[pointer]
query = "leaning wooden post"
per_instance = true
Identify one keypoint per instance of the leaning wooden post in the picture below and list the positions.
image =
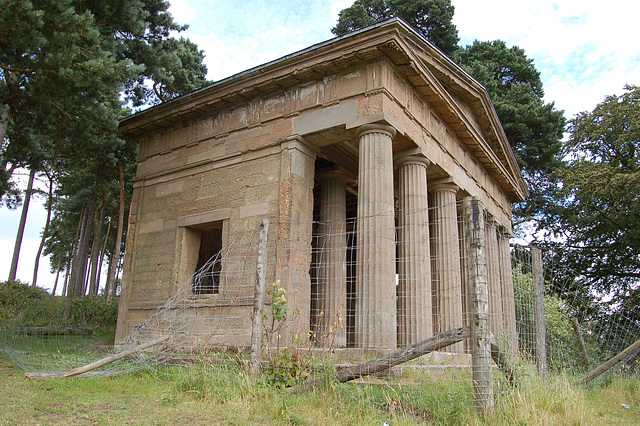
(538, 312)
(583, 346)
(482, 372)
(258, 303)
(621, 357)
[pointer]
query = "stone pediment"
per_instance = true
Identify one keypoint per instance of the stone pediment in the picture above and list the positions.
(459, 101)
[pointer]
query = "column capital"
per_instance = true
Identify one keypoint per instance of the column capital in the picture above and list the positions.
(380, 118)
(334, 172)
(376, 128)
(445, 184)
(299, 143)
(411, 156)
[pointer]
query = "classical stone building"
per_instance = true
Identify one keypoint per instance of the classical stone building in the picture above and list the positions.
(360, 148)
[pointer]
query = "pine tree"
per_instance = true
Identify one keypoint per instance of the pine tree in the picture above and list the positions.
(431, 18)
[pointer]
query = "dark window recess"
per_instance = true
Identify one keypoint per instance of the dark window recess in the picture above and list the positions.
(207, 281)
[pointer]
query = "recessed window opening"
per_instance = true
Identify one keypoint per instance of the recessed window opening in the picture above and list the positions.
(209, 266)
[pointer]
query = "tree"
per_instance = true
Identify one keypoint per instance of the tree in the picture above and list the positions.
(431, 18)
(600, 198)
(139, 32)
(57, 82)
(65, 67)
(534, 128)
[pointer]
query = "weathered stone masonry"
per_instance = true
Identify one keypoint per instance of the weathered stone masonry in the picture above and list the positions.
(380, 117)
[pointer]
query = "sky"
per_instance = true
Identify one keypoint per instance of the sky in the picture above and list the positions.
(584, 49)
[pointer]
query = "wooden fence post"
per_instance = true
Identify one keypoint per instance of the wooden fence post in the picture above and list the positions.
(621, 357)
(538, 312)
(583, 347)
(258, 303)
(475, 244)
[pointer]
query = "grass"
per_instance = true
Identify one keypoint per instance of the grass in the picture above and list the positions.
(225, 395)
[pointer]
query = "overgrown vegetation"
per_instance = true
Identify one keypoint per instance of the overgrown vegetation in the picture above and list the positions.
(563, 351)
(22, 305)
(225, 395)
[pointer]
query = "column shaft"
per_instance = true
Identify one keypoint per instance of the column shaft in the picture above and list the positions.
(415, 321)
(508, 301)
(446, 261)
(495, 287)
(375, 322)
(332, 264)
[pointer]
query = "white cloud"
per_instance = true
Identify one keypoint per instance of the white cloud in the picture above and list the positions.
(584, 49)
(182, 11)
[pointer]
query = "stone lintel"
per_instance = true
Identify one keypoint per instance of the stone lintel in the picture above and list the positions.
(335, 171)
(203, 218)
(326, 118)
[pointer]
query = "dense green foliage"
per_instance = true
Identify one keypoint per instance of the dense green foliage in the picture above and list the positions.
(58, 86)
(601, 194)
(599, 206)
(431, 18)
(15, 297)
(563, 349)
(27, 306)
(533, 128)
(69, 70)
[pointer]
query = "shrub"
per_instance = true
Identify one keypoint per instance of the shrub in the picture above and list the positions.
(15, 297)
(22, 305)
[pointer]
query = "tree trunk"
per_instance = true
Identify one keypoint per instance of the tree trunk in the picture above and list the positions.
(74, 264)
(4, 122)
(116, 250)
(44, 233)
(79, 261)
(66, 278)
(55, 283)
(83, 254)
(23, 221)
(102, 253)
(98, 220)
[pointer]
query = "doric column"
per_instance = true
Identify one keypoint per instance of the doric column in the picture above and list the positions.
(375, 322)
(446, 260)
(415, 322)
(332, 261)
(494, 279)
(508, 296)
(464, 274)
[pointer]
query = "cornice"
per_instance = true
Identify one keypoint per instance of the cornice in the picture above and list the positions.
(432, 73)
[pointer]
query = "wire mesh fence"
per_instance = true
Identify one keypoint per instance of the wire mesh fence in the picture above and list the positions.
(356, 298)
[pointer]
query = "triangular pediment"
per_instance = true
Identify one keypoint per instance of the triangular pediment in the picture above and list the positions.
(461, 102)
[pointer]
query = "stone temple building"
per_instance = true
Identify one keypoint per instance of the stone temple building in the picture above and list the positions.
(358, 150)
